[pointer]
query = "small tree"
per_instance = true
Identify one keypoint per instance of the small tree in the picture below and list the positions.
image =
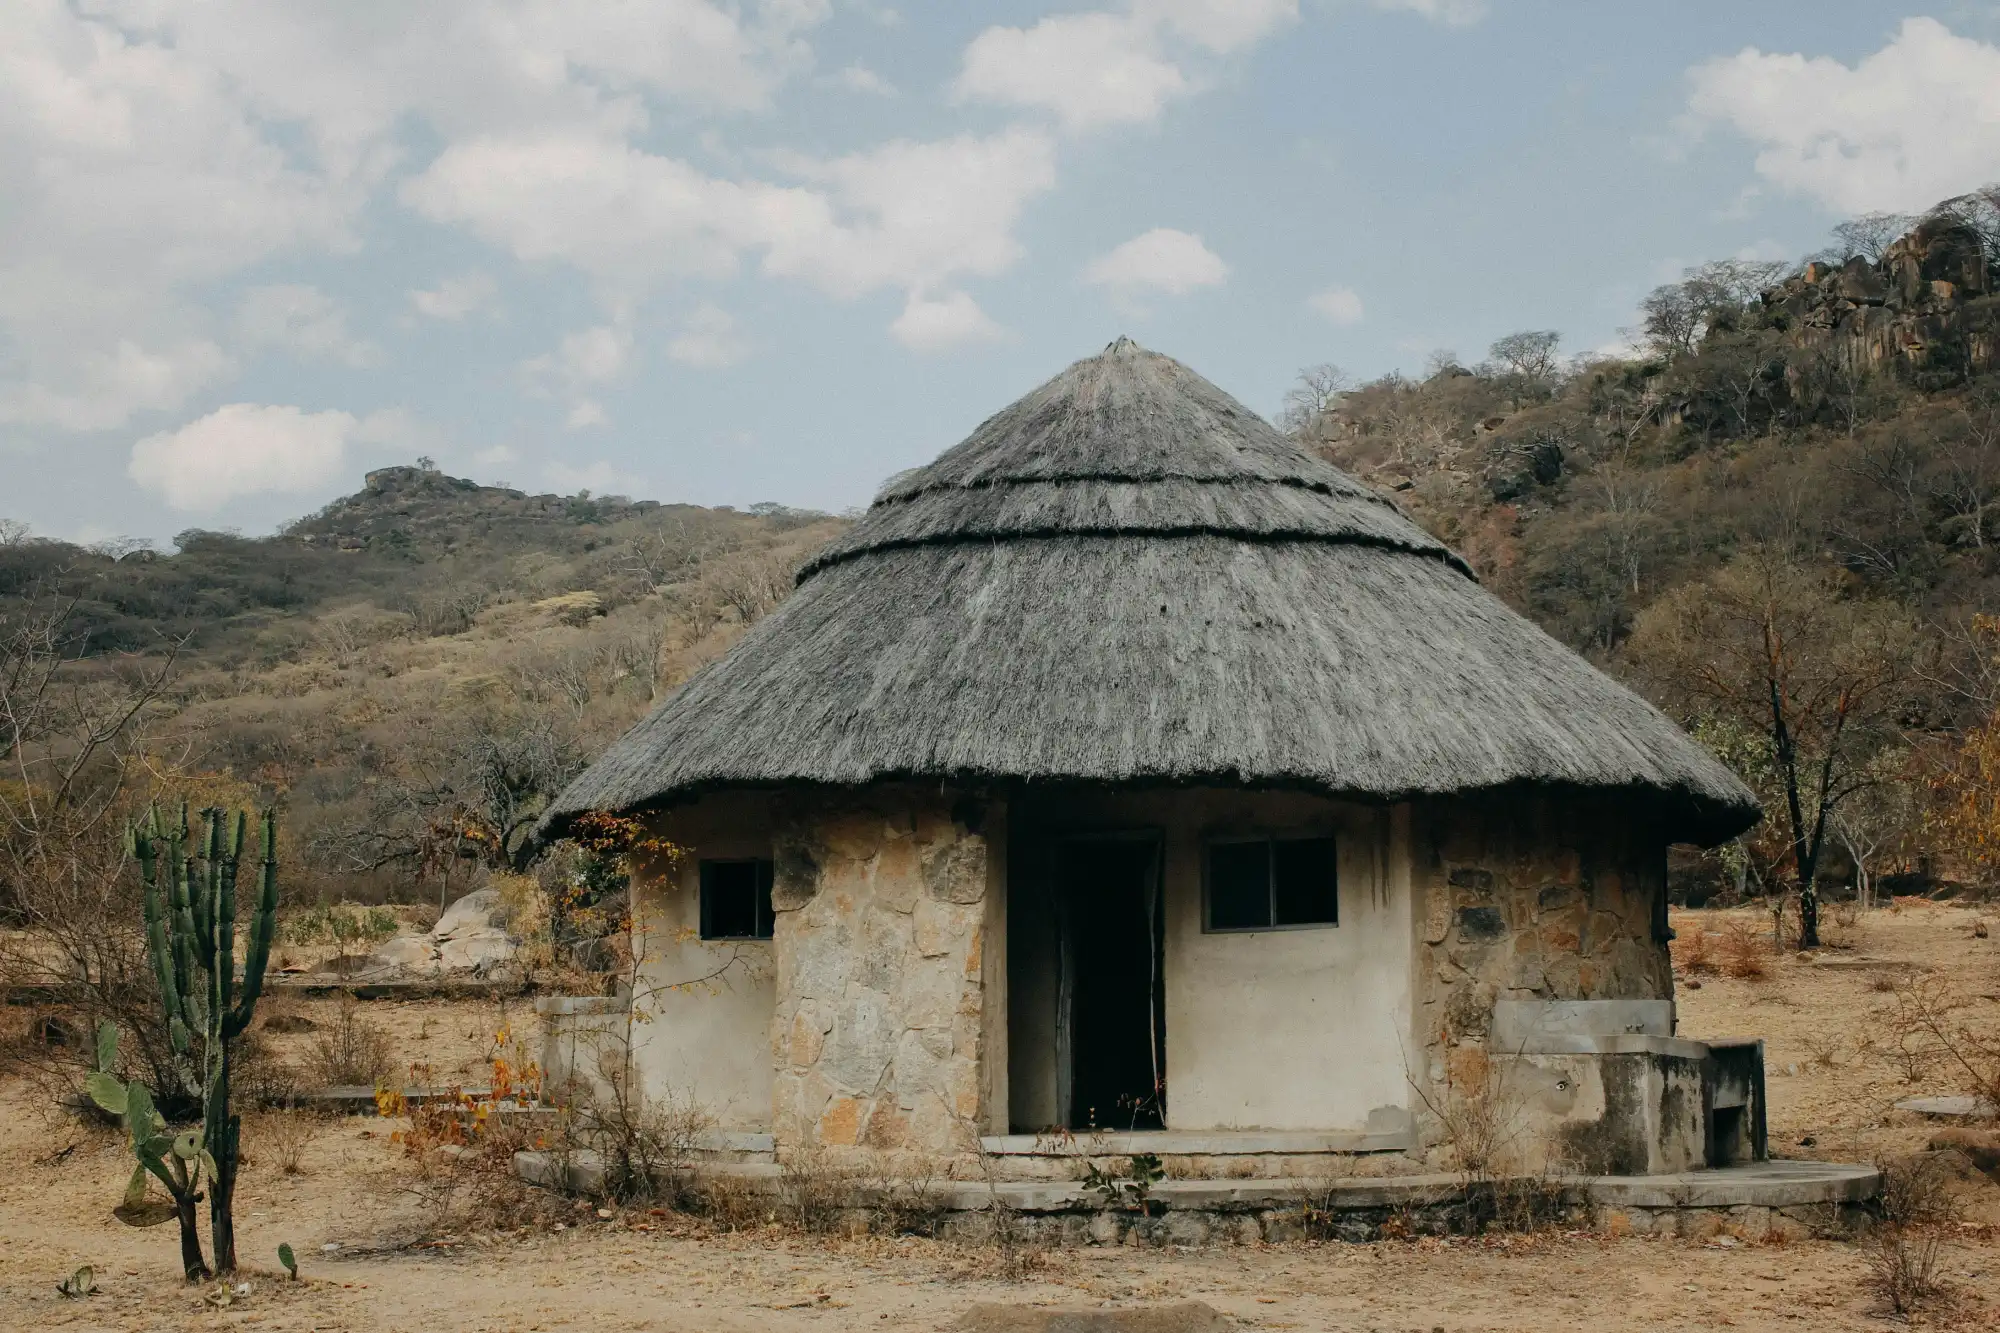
(1307, 401)
(1531, 354)
(1781, 650)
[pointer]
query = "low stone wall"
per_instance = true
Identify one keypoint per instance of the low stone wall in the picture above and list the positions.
(579, 1035)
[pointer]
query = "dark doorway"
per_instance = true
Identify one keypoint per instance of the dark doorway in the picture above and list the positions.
(1112, 1013)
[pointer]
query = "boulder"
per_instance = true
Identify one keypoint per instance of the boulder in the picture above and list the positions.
(404, 953)
(478, 951)
(478, 910)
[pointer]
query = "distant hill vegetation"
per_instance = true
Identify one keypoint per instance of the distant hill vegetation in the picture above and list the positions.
(410, 671)
(1787, 489)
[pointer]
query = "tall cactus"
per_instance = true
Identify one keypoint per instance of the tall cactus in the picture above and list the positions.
(190, 915)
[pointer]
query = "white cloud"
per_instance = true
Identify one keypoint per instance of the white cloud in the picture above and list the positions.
(937, 324)
(585, 413)
(1450, 13)
(1108, 67)
(99, 388)
(252, 449)
(589, 356)
(905, 215)
(456, 297)
(1916, 122)
(1162, 260)
(861, 79)
(599, 476)
(153, 149)
(1088, 69)
(303, 320)
(710, 338)
(1342, 305)
(499, 453)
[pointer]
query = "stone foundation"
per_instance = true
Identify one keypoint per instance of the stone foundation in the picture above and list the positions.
(1533, 898)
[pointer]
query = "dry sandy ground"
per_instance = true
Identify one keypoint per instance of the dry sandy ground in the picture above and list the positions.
(610, 1275)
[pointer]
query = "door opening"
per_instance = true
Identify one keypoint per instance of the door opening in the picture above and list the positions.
(1111, 1026)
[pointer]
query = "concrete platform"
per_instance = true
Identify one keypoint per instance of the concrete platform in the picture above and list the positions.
(1798, 1198)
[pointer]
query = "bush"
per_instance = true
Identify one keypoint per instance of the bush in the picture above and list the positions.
(351, 1050)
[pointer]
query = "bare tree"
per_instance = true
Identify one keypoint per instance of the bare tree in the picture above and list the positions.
(1318, 388)
(79, 747)
(1777, 649)
(1530, 353)
(1868, 236)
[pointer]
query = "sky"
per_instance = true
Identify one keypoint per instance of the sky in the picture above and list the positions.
(777, 250)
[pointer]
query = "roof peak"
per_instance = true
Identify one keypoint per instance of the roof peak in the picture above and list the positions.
(1128, 441)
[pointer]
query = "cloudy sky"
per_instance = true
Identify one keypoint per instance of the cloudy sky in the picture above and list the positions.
(778, 249)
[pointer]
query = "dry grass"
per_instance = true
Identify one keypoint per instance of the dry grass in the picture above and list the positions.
(1906, 1247)
(350, 1050)
(1744, 952)
(282, 1138)
(1693, 950)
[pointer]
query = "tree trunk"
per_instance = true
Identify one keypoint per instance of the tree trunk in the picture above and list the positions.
(193, 1266)
(1808, 915)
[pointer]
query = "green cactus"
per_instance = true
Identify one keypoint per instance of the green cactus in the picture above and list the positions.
(176, 1161)
(190, 919)
(289, 1260)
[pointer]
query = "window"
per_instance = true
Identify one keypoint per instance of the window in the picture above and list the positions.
(1266, 883)
(736, 900)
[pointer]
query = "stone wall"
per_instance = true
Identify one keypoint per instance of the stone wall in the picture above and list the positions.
(882, 909)
(1519, 898)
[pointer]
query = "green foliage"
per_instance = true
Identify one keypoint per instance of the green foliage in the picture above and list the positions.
(81, 1283)
(289, 1260)
(191, 937)
(1131, 1188)
(342, 924)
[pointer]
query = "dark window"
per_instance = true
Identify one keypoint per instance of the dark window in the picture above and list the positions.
(736, 900)
(1266, 882)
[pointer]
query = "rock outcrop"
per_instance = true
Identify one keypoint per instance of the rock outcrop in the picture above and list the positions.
(1926, 307)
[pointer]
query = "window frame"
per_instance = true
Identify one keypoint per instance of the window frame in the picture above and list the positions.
(761, 912)
(1271, 880)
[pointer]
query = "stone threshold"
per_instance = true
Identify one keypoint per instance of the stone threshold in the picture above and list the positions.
(1776, 1184)
(1199, 1143)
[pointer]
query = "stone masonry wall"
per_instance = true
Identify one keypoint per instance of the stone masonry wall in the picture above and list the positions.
(1530, 897)
(880, 904)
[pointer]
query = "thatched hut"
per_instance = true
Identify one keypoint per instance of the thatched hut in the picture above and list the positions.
(1131, 768)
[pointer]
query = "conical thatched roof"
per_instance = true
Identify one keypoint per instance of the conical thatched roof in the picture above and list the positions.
(1129, 577)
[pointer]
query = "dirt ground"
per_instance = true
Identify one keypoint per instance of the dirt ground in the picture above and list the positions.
(1834, 1077)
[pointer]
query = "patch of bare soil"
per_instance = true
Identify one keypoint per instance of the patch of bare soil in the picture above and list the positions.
(554, 1265)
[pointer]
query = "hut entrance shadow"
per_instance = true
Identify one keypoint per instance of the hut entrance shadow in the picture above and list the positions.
(1111, 1005)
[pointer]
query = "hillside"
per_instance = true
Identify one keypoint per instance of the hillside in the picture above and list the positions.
(1789, 492)
(413, 669)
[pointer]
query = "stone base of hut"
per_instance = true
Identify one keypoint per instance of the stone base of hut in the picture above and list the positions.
(1763, 1201)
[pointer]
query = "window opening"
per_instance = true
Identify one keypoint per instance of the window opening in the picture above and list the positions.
(736, 900)
(1272, 883)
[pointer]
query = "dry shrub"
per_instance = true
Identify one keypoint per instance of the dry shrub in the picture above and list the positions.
(904, 1187)
(1927, 1030)
(1478, 1115)
(286, 1135)
(1745, 953)
(350, 1050)
(813, 1189)
(1693, 951)
(1906, 1245)
(1837, 927)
